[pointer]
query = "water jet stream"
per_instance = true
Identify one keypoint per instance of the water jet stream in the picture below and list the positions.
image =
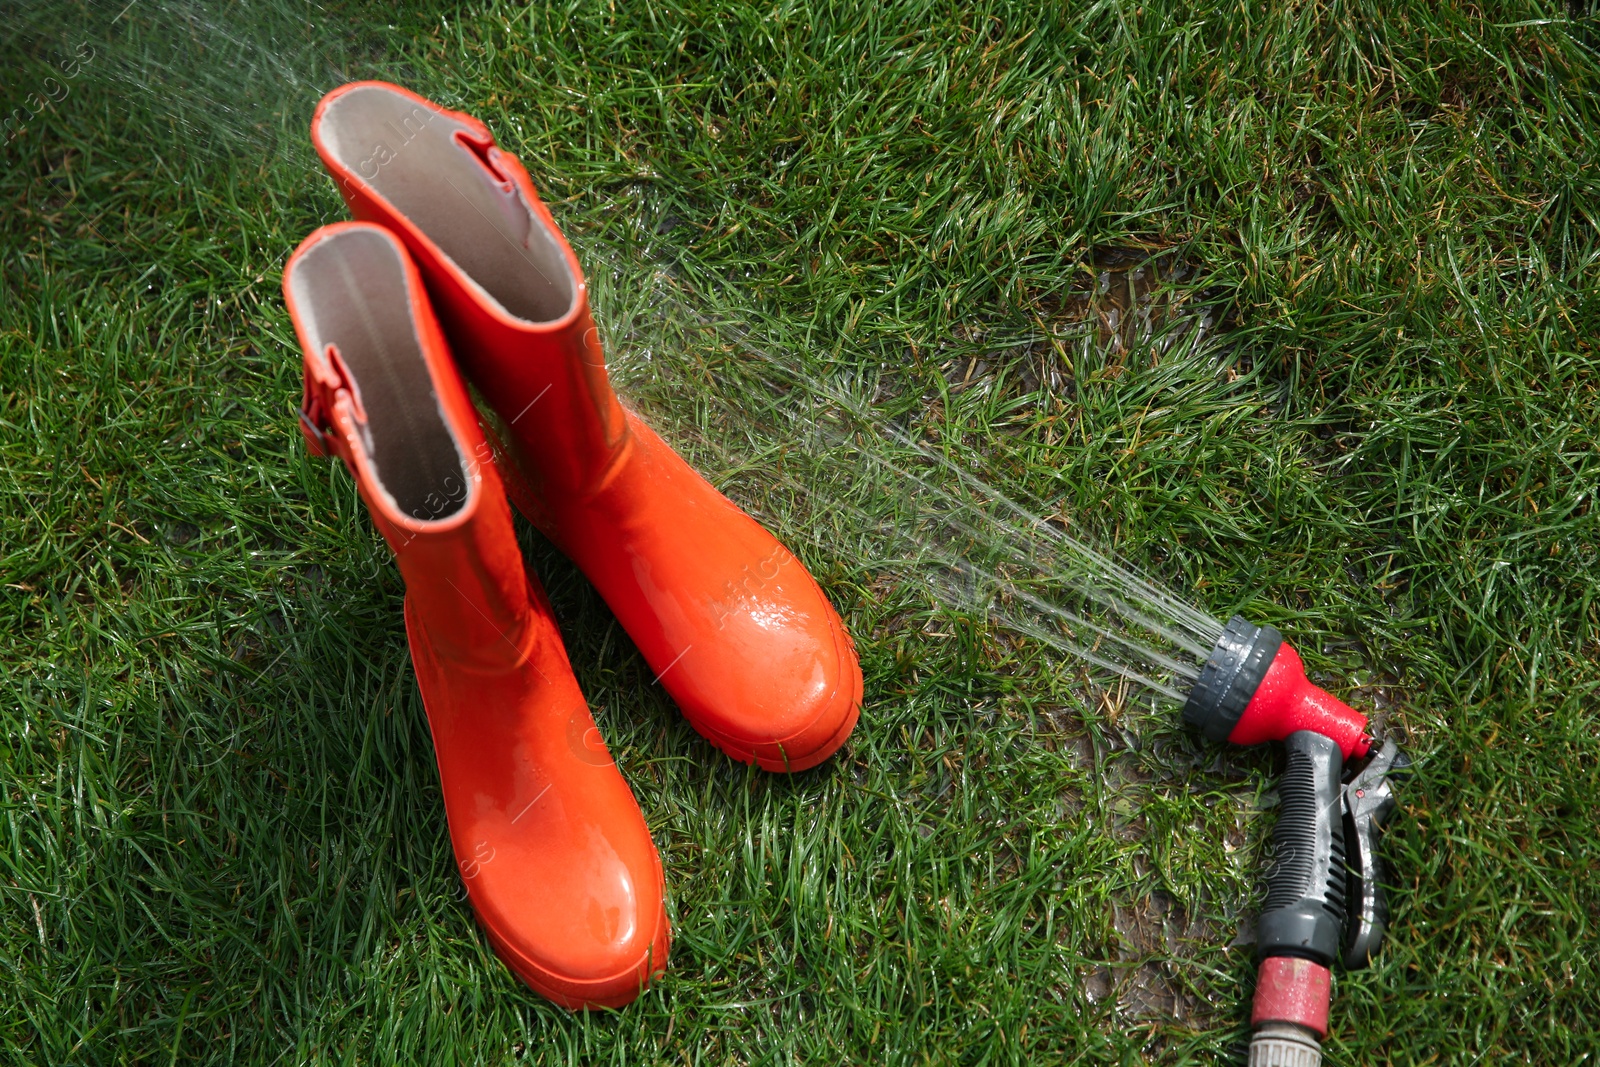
(932, 522)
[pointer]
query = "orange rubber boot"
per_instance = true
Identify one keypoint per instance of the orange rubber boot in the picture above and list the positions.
(730, 621)
(553, 849)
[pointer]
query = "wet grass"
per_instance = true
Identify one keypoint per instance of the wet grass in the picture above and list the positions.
(222, 833)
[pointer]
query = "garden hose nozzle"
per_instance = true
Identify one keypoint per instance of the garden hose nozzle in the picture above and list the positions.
(1324, 895)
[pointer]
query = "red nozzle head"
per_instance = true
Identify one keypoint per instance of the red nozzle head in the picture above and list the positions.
(1286, 701)
(1253, 688)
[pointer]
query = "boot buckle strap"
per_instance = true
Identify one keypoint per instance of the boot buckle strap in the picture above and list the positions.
(316, 440)
(314, 422)
(324, 380)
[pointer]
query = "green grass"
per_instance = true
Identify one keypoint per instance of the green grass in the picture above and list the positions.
(222, 832)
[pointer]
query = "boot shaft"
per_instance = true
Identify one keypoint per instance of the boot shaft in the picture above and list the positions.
(501, 275)
(381, 393)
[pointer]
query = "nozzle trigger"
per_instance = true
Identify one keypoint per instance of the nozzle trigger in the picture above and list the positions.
(1368, 803)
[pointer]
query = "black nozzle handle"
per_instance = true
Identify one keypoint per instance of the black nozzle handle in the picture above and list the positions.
(1305, 909)
(1368, 802)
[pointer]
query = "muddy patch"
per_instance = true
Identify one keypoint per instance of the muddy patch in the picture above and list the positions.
(1122, 305)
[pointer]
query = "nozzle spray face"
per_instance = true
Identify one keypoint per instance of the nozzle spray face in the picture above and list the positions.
(1230, 678)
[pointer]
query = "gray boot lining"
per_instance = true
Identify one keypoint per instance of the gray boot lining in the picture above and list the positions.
(409, 154)
(350, 291)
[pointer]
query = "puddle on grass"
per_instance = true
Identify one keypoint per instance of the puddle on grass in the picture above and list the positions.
(1153, 966)
(1136, 300)
(1158, 926)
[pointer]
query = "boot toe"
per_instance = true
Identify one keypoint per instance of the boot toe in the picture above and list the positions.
(590, 934)
(787, 698)
(824, 720)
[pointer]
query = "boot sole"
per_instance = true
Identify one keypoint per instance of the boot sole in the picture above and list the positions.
(788, 763)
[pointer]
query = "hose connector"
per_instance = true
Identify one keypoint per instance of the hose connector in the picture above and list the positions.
(1284, 1045)
(1290, 1014)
